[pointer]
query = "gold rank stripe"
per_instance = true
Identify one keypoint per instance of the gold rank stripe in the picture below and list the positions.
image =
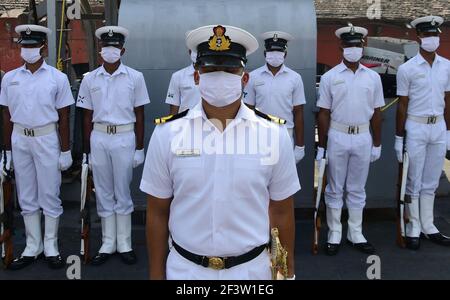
(163, 120)
(170, 118)
(270, 117)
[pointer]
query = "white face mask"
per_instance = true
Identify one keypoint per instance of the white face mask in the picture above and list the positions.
(353, 54)
(194, 56)
(31, 55)
(430, 44)
(275, 58)
(111, 54)
(220, 88)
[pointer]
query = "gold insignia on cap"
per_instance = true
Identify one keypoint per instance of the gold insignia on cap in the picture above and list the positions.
(110, 33)
(275, 37)
(28, 31)
(433, 22)
(219, 41)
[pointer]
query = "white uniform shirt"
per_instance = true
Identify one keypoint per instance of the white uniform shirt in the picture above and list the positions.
(113, 97)
(276, 95)
(33, 99)
(351, 97)
(424, 85)
(183, 91)
(220, 201)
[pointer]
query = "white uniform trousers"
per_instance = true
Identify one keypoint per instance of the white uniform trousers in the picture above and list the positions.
(348, 167)
(38, 178)
(179, 268)
(112, 168)
(426, 147)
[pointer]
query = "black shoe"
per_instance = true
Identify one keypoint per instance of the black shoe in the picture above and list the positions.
(21, 262)
(332, 249)
(128, 258)
(55, 262)
(412, 243)
(366, 247)
(100, 259)
(437, 238)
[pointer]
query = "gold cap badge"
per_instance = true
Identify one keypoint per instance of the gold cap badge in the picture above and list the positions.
(219, 41)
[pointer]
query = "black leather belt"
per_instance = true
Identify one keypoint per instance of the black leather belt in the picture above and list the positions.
(219, 263)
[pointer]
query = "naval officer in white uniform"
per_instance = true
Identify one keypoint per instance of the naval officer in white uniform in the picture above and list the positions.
(423, 85)
(37, 97)
(351, 96)
(215, 173)
(113, 97)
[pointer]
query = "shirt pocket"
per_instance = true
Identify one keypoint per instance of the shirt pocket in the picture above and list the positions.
(419, 81)
(188, 174)
(126, 96)
(367, 93)
(338, 89)
(250, 178)
(47, 95)
(444, 82)
(15, 93)
(260, 88)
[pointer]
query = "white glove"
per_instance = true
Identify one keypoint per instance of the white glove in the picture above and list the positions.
(320, 153)
(65, 160)
(7, 166)
(87, 159)
(376, 153)
(139, 157)
(448, 140)
(299, 153)
(399, 148)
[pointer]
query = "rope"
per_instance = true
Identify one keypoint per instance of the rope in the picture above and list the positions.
(59, 63)
(390, 104)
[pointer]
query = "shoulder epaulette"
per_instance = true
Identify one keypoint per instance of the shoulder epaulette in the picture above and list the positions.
(170, 118)
(270, 117)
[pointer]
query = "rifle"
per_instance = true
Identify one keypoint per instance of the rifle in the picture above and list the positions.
(85, 210)
(321, 182)
(278, 257)
(402, 199)
(6, 213)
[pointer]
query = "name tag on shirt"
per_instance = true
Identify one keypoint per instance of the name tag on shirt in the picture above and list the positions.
(339, 81)
(186, 87)
(93, 90)
(12, 83)
(259, 83)
(187, 152)
(420, 75)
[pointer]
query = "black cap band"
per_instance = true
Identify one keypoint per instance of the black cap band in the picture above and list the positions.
(354, 38)
(428, 27)
(275, 45)
(234, 57)
(32, 37)
(113, 39)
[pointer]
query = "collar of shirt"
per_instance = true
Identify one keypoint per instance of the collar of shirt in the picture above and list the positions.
(44, 66)
(120, 70)
(281, 71)
(243, 113)
(342, 67)
(420, 60)
(190, 70)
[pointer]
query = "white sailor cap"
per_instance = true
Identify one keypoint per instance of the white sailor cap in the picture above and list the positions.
(221, 45)
(31, 34)
(276, 40)
(428, 24)
(352, 34)
(112, 35)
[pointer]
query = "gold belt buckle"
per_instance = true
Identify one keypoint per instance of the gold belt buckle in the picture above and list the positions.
(216, 263)
(432, 120)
